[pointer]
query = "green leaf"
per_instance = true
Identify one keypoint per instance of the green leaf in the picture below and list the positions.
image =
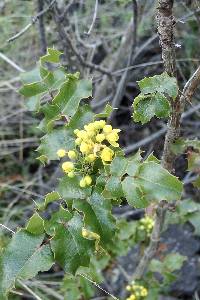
(151, 182)
(70, 189)
(173, 262)
(41, 261)
(33, 89)
(60, 217)
(106, 112)
(118, 166)
(97, 216)
(35, 224)
(162, 83)
(18, 254)
(51, 197)
(158, 183)
(134, 193)
(84, 115)
(57, 139)
(52, 56)
(71, 250)
(195, 221)
(114, 186)
(146, 106)
(67, 100)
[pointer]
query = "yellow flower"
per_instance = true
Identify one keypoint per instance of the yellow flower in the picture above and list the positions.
(76, 131)
(107, 154)
(90, 158)
(144, 292)
(82, 183)
(91, 133)
(100, 137)
(88, 180)
(71, 174)
(61, 153)
(68, 166)
(84, 232)
(99, 124)
(112, 138)
(132, 297)
(107, 129)
(128, 288)
(78, 141)
(82, 134)
(84, 147)
(72, 154)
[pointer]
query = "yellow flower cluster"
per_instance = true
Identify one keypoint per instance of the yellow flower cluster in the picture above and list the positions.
(91, 143)
(146, 224)
(138, 292)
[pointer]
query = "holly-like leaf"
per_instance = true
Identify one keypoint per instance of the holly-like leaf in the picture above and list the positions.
(52, 56)
(22, 253)
(134, 193)
(118, 166)
(51, 142)
(51, 197)
(173, 262)
(84, 115)
(60, 217)
(97, 216)
(70, 249)
(158, 183)
(151, 182)
(162, 83)
(41, 261)
(70, 189)
(195, 221)
(67, 100)
(106, 112)
(114, 186)
(150, 105)
(35, 224)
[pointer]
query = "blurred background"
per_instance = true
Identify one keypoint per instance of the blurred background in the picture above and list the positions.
(115, 43)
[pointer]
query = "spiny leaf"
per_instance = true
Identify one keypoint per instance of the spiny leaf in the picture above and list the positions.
(158, 183)
(52, 56)
(106, 112)
(41, 261)
(67, 100)
(118, 166)
(114, 186)
(151, 182)
(51, 197)
(19, 253)
(35, 224)
(70, 189)
(60, 217)
(146, 106)
(53, 141)
(134, 193)
(162, 83)
(70, 249)
(97, 216)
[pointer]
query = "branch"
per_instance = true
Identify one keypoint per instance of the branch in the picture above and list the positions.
(34, 20)
(165, 23)
(42, 33)
(66, 39)
(124, 78)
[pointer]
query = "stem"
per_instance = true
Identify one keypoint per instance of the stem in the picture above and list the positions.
(165, 23)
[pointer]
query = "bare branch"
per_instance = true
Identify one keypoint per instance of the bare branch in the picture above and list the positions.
(94, 17)
(34, 20)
